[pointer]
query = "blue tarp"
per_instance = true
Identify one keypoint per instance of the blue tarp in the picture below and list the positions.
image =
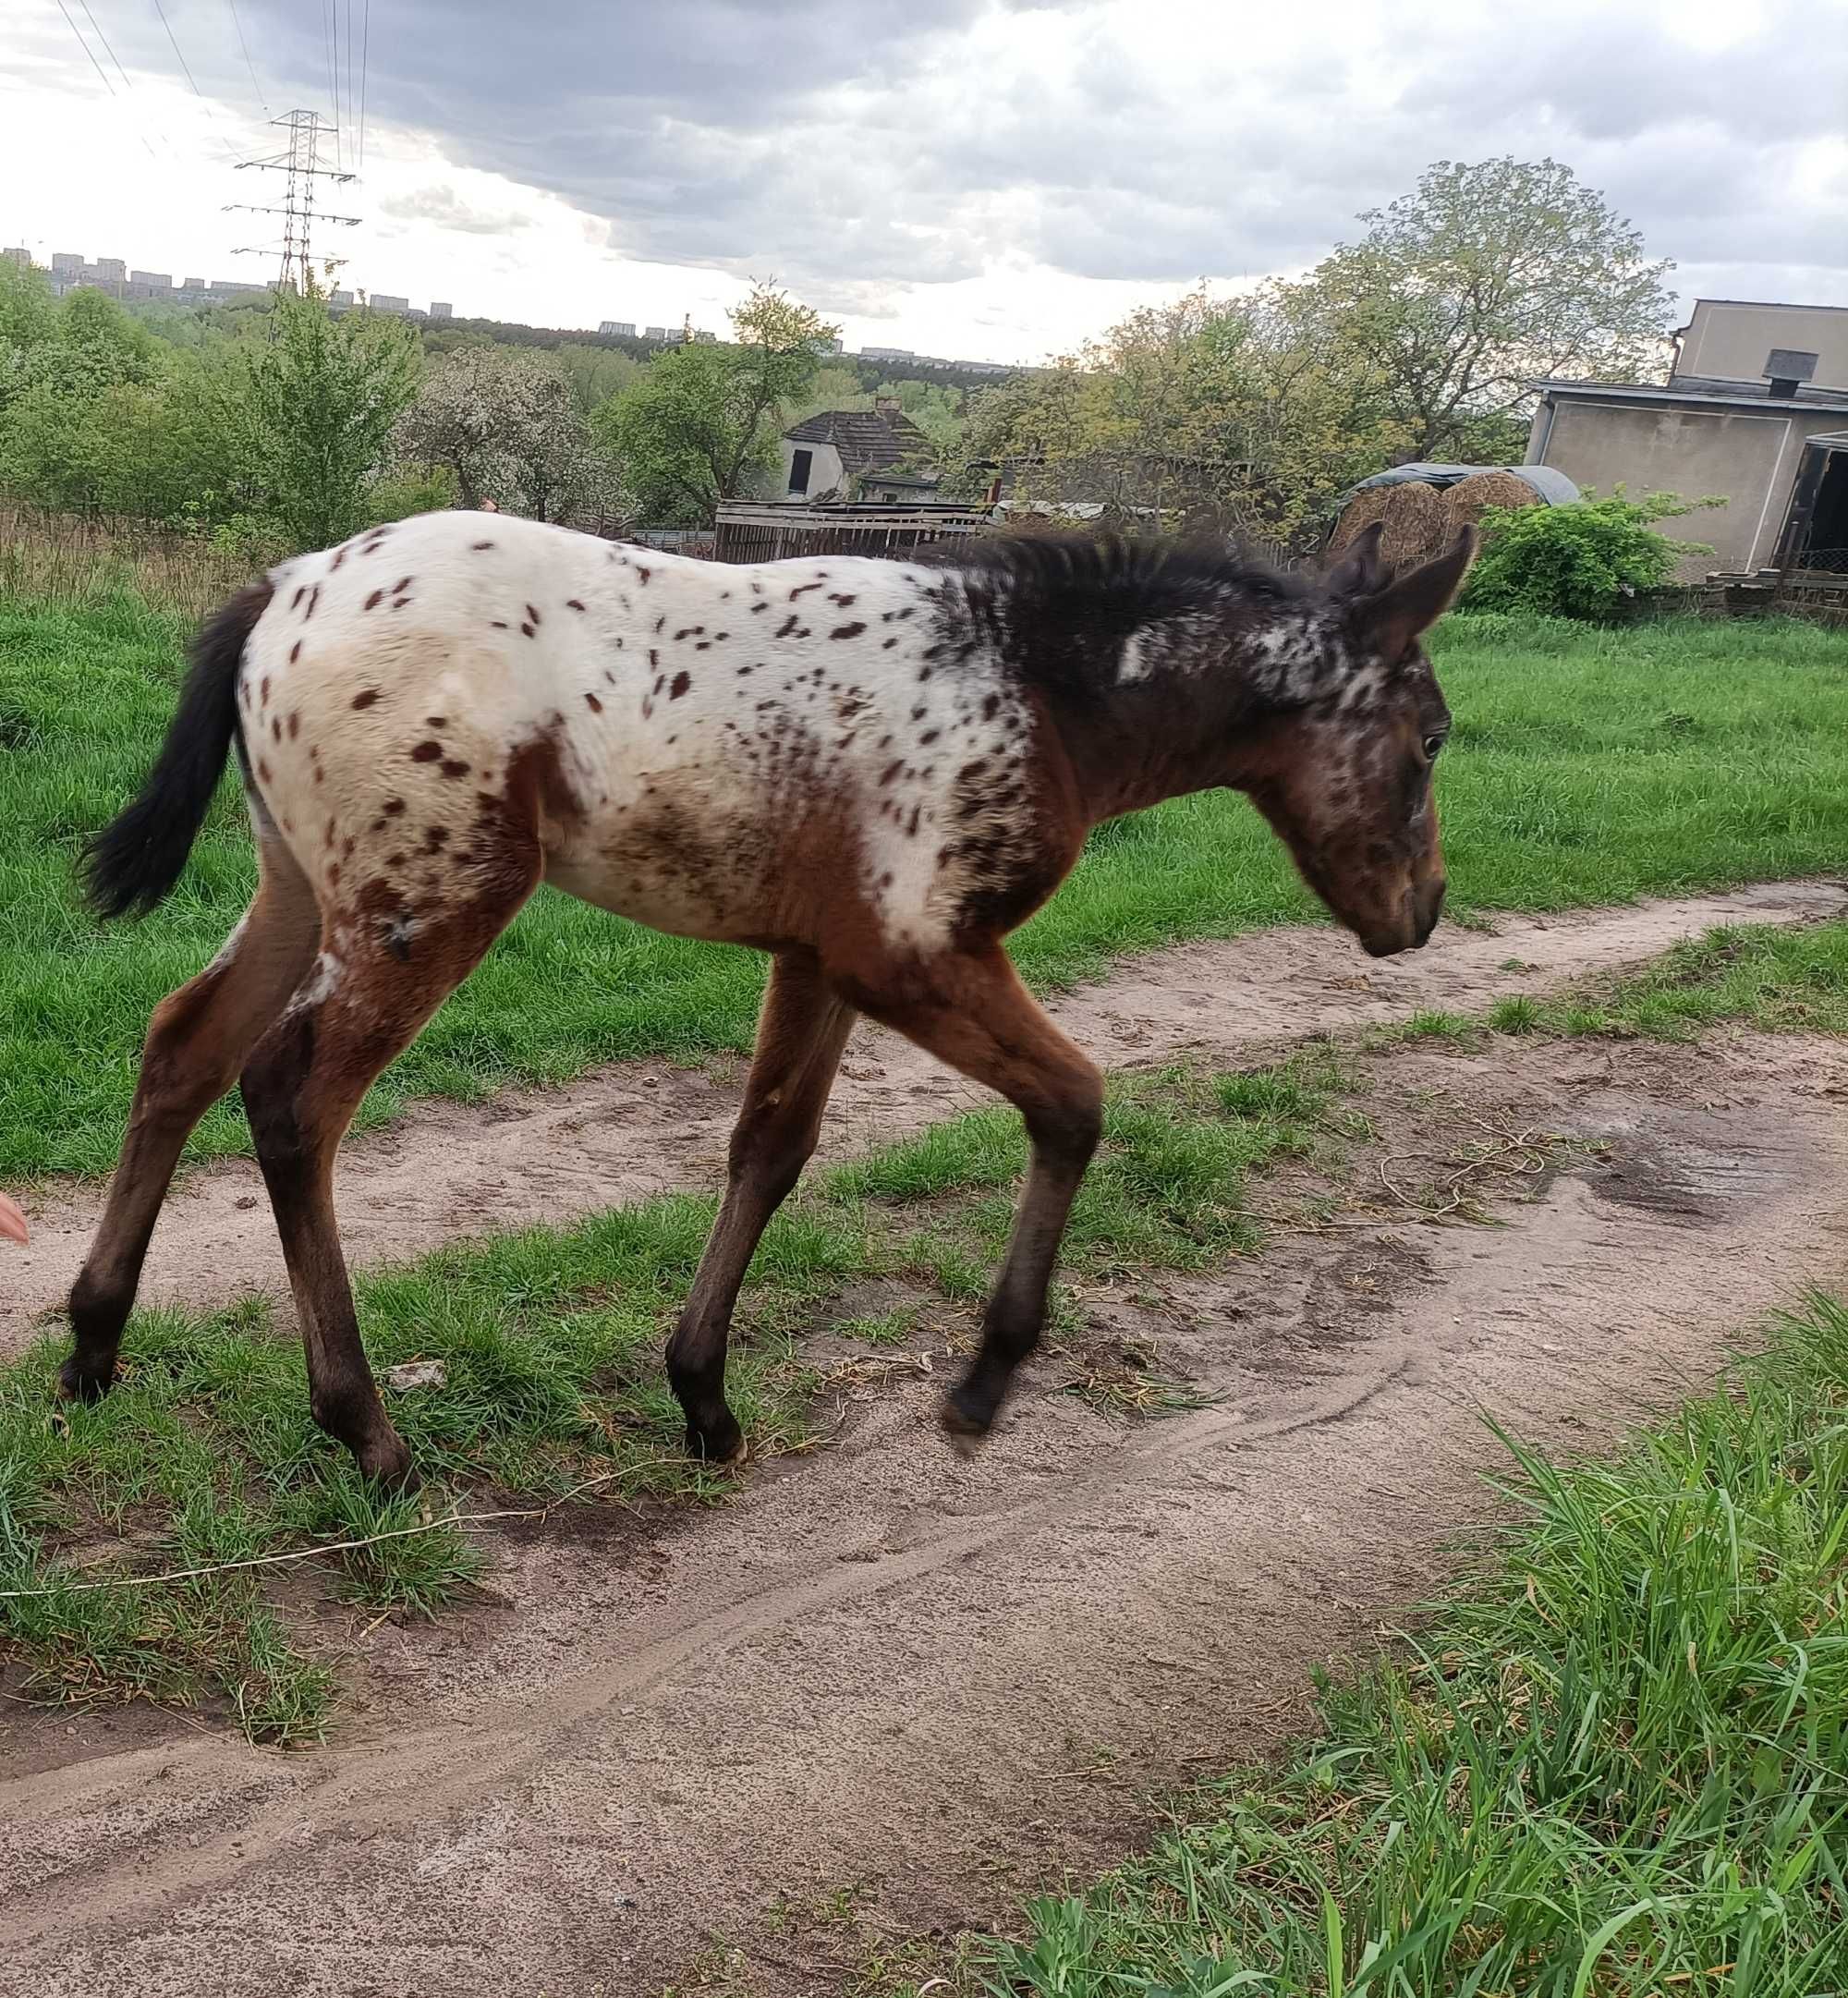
(1552, 487)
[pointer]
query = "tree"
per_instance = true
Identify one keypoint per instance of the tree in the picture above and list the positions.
(1489, 278)
(317, 405)
(702, 421)
(28, 321)
(503, 421)
(1222, 414)
(594, 374)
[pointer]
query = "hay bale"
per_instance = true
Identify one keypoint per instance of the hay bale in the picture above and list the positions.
(1414, 524)
(1360, 512)
(1470, 499)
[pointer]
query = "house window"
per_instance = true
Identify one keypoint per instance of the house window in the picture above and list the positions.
(799, 464)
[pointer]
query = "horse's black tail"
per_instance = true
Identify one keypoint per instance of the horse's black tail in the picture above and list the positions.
(137, 858)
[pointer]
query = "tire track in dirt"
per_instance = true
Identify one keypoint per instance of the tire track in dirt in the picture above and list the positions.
(645, 1127)
(882, 1664)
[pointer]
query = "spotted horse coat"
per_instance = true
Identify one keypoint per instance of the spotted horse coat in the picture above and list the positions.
(872, 770)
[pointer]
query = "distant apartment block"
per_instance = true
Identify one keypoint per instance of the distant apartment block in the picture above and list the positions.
(616, 329)
(654, 333)
(71, 271)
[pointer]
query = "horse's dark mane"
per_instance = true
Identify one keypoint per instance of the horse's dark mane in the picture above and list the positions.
(1117, 580)
(1060, 606)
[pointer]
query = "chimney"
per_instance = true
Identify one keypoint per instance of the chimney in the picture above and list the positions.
(1787, 370)
(888, 404)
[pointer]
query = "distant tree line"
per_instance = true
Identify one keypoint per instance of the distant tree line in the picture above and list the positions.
(276, 424)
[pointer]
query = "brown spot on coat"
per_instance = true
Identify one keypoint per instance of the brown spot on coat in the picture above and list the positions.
(571, 603)
(533, 613)
(848, 631)
(295, 651)
(477, 546)
(526, 630)
(682, 681)
(372, 602)
(595, 706)
(426, 752)
(452, 766)
(366, 699)
(295, 724)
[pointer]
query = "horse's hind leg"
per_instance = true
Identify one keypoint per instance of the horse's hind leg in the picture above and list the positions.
(800, 1035)
(362, 1007)
(196, 1043)
(972, 1011)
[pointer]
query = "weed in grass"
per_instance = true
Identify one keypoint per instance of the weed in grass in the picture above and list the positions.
(896, 1327)
(1563, 790)
(1438, 1026)
(1619, 1764)
(1514, 1015)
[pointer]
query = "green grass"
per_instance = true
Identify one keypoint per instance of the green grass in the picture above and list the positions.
(1774, 978)
(549, 1341)
(1588, 766)
(1614, 1766)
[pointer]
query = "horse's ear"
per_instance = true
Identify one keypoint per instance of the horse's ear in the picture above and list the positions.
(1393, 618)
(1358, 571)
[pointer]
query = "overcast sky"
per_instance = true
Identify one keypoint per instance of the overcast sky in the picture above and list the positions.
(983, 178)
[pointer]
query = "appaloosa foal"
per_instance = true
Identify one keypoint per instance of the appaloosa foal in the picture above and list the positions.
(873, 770)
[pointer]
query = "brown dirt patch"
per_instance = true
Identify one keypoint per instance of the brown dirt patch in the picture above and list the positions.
(645, 1127)
(938, 1683)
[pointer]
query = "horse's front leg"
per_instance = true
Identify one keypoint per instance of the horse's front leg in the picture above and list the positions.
(971, 1010)
(800, 1034)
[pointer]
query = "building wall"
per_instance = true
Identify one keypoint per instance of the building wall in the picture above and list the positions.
(825, 472)
(1750, 458)
(1732, 340)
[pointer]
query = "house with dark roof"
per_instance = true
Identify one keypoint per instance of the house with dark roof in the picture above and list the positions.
(877, 453)
(1755, 412)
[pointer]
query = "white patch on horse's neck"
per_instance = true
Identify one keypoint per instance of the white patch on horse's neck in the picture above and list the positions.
(1135, 663)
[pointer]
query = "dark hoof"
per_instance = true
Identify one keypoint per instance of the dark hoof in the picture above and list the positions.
(721, 1445)
(965, 1422)
(78, 1383)
(389, 1463)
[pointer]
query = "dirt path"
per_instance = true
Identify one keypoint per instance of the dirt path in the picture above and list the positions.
(935, 1682)
(645, 1127)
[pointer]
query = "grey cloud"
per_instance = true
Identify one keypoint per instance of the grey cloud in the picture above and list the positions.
(443, 207)
(850, 146)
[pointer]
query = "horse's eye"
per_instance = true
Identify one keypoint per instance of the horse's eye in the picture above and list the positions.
(1432, 745)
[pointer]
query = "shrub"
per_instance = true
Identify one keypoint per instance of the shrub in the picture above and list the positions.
(1580, 560)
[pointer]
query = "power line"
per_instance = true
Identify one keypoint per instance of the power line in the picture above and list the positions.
(102, 74)
(185, 69)
(327, 7)
(346, 116)
(84, 45)
(103, 38)
(249, 64)
(365, 54)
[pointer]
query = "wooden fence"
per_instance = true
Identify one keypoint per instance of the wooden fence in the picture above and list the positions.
(762, 531)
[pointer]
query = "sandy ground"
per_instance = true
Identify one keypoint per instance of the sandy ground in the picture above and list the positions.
(644, 1127)
(660, 1743)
